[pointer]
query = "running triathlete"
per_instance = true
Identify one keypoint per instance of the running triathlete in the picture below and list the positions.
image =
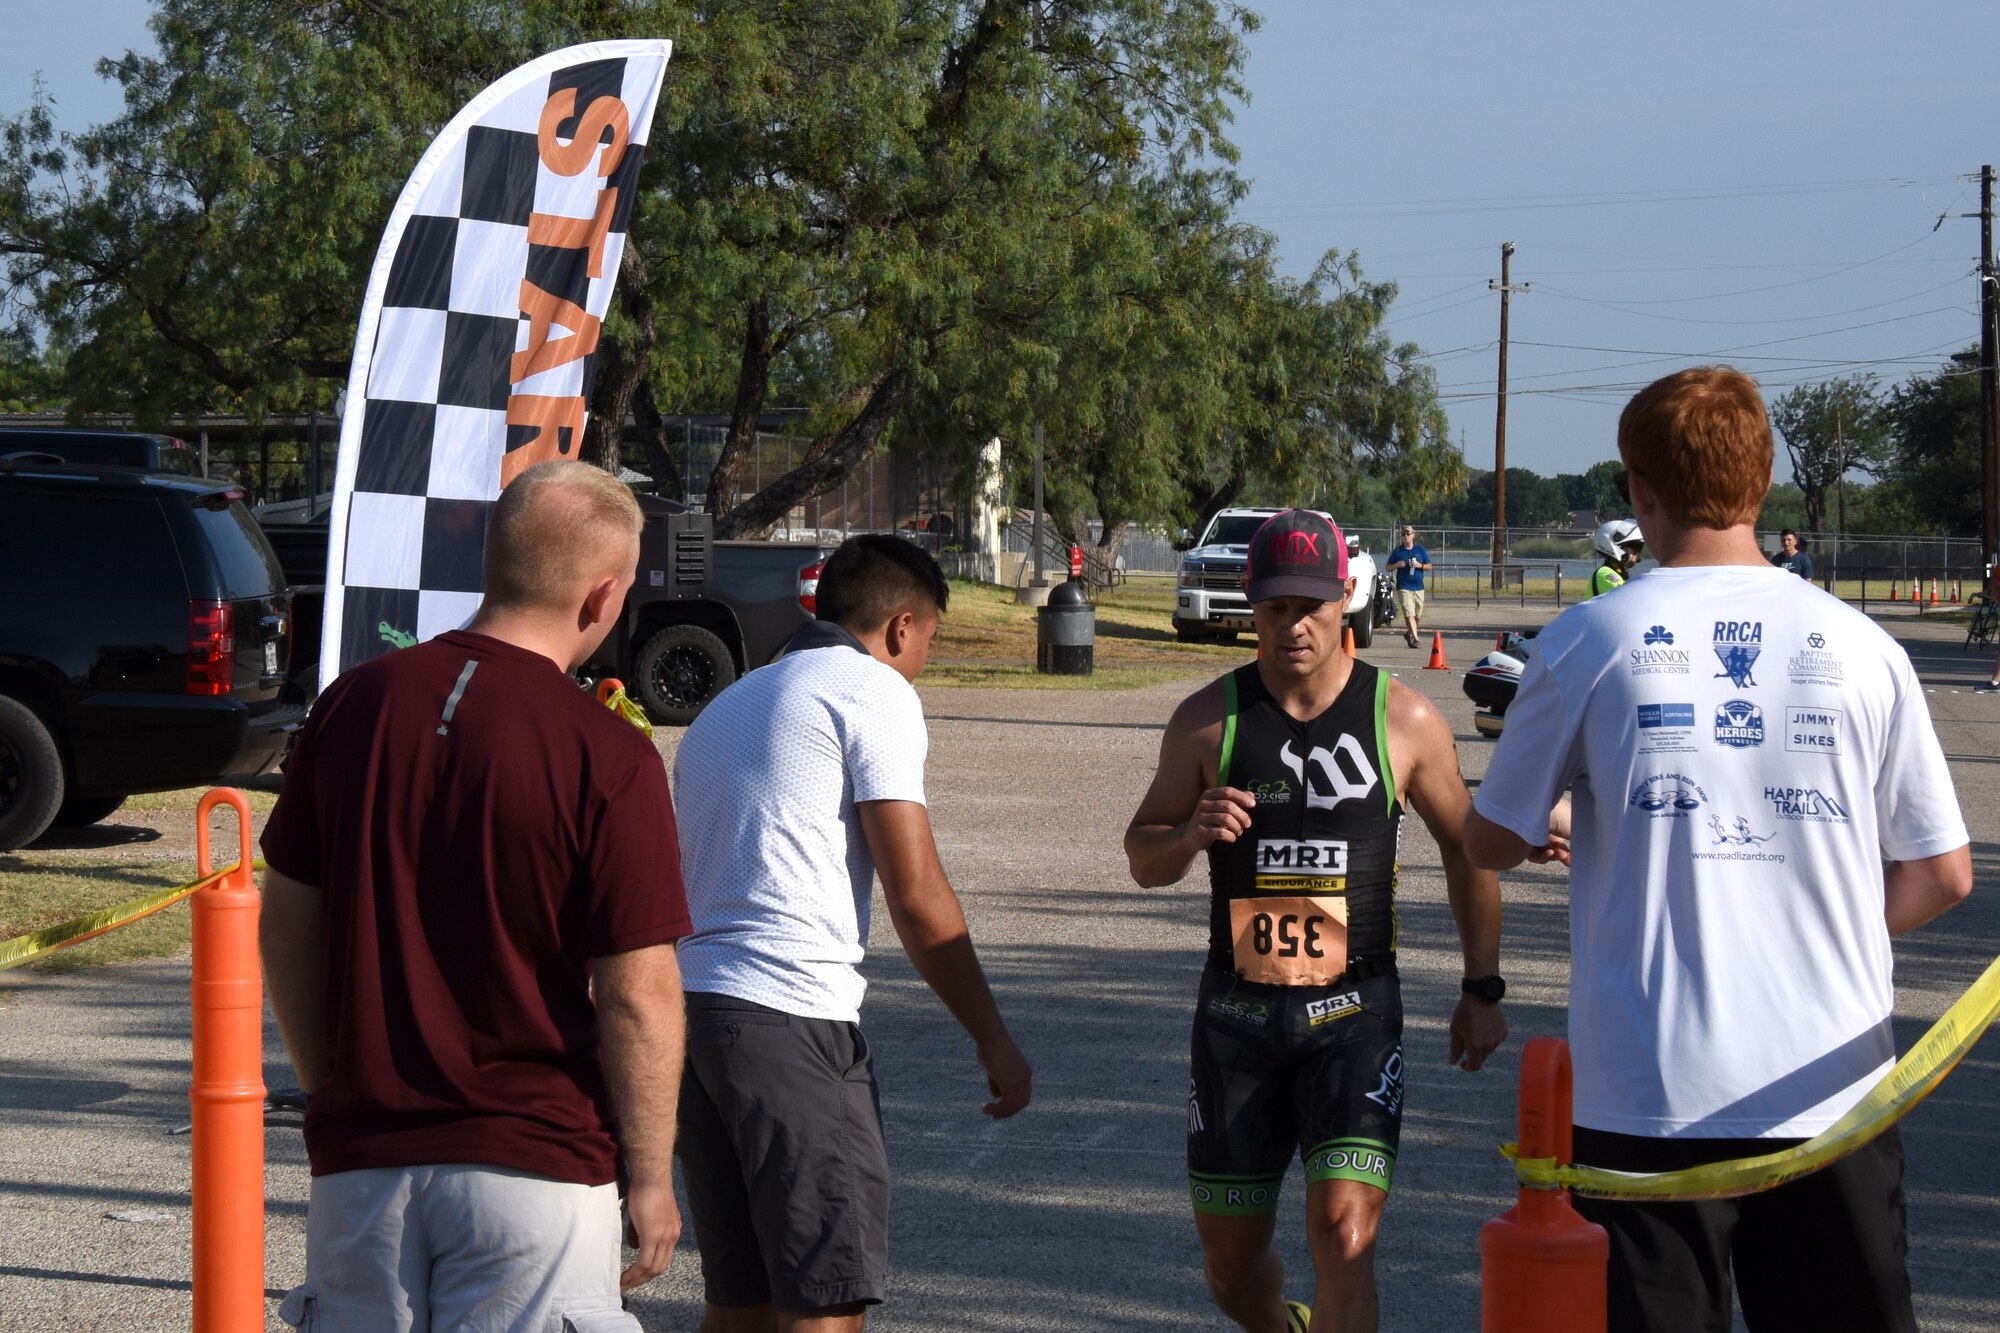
(1620, 544)
(1292, 774)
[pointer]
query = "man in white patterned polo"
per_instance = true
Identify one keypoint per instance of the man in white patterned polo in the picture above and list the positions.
(798, 785)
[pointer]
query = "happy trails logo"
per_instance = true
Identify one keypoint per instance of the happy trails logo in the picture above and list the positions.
(1805, 803)
(1737, 643)
(1668, 796)
(1739, 724)
(1657, 656)
(1814, 665)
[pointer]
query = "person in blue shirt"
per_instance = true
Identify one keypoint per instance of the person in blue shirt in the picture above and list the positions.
(1791, 559)
(1408, 563)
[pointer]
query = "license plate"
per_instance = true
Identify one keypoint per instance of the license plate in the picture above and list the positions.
(270, 659)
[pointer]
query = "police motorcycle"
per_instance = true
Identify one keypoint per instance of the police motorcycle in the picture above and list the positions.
(1494, 678)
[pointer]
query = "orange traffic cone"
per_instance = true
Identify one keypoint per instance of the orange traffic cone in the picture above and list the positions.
(1892, 591)
(1437, 662)
(1347, 640)
(1933, 592)
(1954, 591)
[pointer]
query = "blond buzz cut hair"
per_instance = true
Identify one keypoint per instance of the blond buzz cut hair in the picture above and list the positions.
(558, 528)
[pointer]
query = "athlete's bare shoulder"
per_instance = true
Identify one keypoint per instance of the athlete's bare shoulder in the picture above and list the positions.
(1418, 729)
(1199, 717)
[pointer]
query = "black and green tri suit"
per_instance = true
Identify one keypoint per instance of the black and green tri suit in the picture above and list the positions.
(1298, 1042)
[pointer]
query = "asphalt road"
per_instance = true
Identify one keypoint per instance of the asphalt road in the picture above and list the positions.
(1072, 1215)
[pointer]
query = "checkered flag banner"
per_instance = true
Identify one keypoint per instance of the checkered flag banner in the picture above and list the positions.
(477, 345)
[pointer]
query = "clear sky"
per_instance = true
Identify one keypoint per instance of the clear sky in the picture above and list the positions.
(1754, 182)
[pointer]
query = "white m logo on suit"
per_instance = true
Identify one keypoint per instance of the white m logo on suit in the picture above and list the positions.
(1331, 767)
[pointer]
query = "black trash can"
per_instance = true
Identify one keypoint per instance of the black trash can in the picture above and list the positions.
(1066, 632)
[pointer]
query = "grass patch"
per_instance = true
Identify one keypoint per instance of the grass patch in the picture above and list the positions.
(988, 638)
(146, 846)
(998, 676)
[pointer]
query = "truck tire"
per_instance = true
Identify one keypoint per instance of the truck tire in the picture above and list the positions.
(1363, 622)
(679, 670)
(82, 811)
(31, 775)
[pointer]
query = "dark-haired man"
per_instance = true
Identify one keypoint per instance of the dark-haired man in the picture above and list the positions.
(1292, 774)
(799, 784)
(1790, 557)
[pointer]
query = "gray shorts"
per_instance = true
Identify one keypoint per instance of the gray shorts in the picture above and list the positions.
(782, 1156)
(395, 1249)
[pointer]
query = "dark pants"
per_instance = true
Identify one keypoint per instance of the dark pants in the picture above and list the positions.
(1823, 1253)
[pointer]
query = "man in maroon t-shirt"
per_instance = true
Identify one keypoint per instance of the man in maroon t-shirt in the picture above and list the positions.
(465, 844)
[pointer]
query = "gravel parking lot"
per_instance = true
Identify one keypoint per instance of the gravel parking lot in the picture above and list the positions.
(1073, 1215)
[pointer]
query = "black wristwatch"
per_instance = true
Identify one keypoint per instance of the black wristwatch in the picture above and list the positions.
(1488, 990)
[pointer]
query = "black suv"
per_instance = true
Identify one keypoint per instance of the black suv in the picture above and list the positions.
(145, 635)
(108, 448)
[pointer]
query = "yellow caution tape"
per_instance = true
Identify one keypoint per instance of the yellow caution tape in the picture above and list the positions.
(38, 943)
(626, 707)
(1908, 1083)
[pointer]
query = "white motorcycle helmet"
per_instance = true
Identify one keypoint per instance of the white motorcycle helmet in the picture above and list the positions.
(1619, 532)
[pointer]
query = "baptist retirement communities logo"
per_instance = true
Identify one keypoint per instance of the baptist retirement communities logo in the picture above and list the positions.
(1813, 665)
(1737, 643)
(1657, 656)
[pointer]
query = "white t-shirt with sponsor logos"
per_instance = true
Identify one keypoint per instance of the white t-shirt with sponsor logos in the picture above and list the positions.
(778, 873)
(1743, 751)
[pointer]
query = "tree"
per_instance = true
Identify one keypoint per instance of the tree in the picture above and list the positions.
(1933, 478)
(1595, 489)
(1830, 429)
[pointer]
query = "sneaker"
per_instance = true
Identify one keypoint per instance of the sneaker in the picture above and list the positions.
(1298, 1317)
(1989, 687)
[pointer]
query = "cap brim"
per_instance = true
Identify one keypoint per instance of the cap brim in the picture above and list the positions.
(1297, 585)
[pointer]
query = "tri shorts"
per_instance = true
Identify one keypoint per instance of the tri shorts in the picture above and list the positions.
(1277, 1070)
(1411, 601)
(1824, 1251)
(782, 1157)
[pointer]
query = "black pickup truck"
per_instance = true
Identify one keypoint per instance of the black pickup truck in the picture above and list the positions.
(701, 614)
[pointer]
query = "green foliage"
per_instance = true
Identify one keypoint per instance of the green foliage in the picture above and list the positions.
(30, 380)
(949, 220)
(1831, 428)
(1933, 481)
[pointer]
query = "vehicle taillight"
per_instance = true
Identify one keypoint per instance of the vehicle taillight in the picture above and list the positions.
(809, 587)
(211, 647)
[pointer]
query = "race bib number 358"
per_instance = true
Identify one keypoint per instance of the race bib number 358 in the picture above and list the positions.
(1289, 941)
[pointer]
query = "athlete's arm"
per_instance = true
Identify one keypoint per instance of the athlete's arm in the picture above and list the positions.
(290, 943)
(641, 1035)
(1435, 788)
(1924, 890)
(1184, 811)
(1492, 847)
(931, 925)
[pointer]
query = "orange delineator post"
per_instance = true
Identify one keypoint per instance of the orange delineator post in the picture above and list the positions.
(228, 1088)
(1542, 1268)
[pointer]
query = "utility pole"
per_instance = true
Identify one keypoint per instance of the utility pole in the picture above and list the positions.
(1500, 419)
(1989, 381)
(1036, 541)
(1840, 521)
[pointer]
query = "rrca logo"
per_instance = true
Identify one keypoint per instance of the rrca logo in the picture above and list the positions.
(1737, 643)
(1739, 724)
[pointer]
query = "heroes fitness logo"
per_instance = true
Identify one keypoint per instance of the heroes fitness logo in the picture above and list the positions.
(1739, 724)
(1657, 656)
(1737, 644)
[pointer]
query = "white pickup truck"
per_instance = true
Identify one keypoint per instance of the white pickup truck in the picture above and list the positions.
(1209, 603)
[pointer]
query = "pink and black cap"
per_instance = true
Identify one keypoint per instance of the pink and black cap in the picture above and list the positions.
(1298, 553)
